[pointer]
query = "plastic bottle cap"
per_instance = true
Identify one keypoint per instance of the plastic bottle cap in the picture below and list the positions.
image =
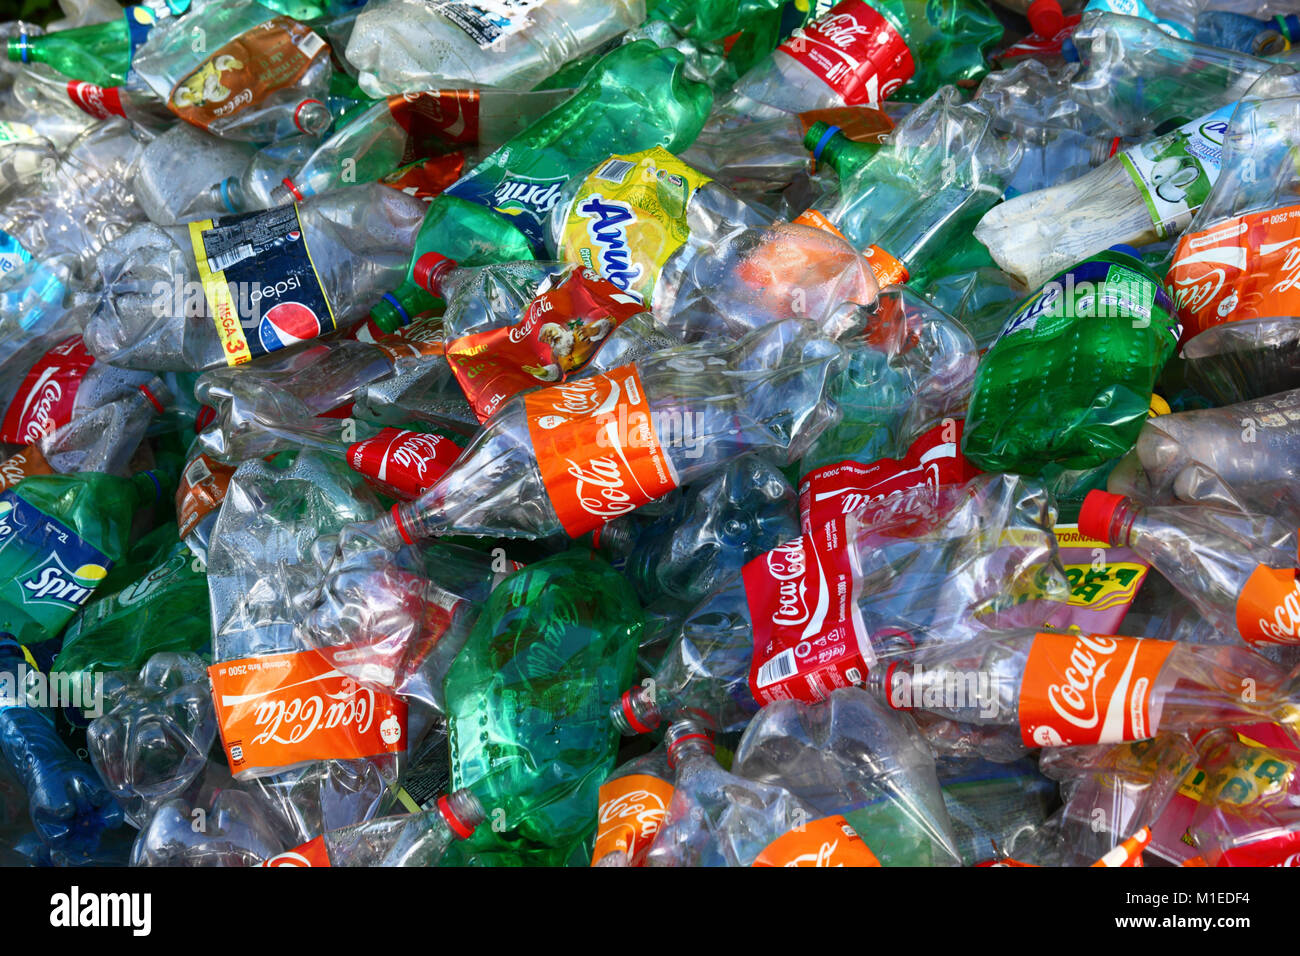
(430, 269)
(1094, 517)
(1046, 17)
(1126, 250)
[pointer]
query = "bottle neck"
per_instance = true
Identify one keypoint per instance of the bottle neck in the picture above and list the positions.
(636, 712)
(25, 49)
(687, 741)
(462, 811)
(1121, 523)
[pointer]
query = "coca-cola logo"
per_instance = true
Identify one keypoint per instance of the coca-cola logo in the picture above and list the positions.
(787, 566)
(598, 487)
(1193, 293)
(822, 856)
(415, 452)
(12, 470)
(39, 411)
(238, 101)
(89, 98)
(641, 807)
(291, 720)
(842, 30)
(580, 398)
(1075, 700)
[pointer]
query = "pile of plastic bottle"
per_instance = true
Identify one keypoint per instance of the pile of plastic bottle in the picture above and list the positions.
(650, 433)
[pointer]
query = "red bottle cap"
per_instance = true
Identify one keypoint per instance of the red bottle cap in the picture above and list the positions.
(1096, 513)
(1046, 17)
(430, 269)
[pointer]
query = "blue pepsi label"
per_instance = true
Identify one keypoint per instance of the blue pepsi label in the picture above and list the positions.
(260, 283)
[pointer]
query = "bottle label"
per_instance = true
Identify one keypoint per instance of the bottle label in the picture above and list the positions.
(1246, 267)
(1175, 172)
(423, 339)
(830, 841)
(560, 332)
(597, 448)
(245, 71)
(1268, 608)
(632, 809)
(100, 102)
(815, 220)
(28, 288)
(886, 269)
(27, 462)
(487, 22)
(201, 490)
(1103, 580)
(889, 490)
(1081, 689)
(435, 117)
(629, 217)
(44, 400)
(47, 569)
(312, 853)
(1040, 47)
(261, 286)
(855, 51)
(525, 200)
(1136, 8)
(404, 463)
(426, 178)
(809, 637)
(280, 710)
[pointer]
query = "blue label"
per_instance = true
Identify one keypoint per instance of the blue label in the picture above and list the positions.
(523, 200)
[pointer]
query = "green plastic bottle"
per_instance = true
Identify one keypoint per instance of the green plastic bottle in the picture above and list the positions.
(528, 701)
(1069, 380)
(99, 53)
(829, 145)
(162, 605)
(636, 97)
(59, 536)
(947, 39)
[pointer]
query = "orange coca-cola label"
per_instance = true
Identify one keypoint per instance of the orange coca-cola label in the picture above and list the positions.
(285, 709)
(1243, 268)
(1089, 689)
(886, 269)
(426, 178)
(243, 72)
(1268, 608)
(631, 810)
(815, 220)
(312, 853)
(597, 448)
(27, 462)
(202, 488)
(830, 841)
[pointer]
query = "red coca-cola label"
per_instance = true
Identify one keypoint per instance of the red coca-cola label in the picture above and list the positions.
(312, 853)
(1274, 851)
(1036, 45)
(404, 463)
(100, 102)
(422, 338)
(560, 332)
(44, 400)
(855, 51)
(427, 178)
(894, 490)
(436, 116)
(809, 637)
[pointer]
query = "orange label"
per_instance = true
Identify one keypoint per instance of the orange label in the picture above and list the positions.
(1268, 608)
(243, 72)
(887, 269)
(631, 809)
(1244, 268)
(27, 462)
(811, 217)
(285, 709)
(202, 488)
(312, 853)
(1089, 689)
(829, 841)
(597, 449)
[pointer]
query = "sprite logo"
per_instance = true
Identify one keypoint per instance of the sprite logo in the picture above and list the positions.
(515, 196)
(53, 583)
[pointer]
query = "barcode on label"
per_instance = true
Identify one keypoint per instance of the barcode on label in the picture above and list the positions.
(615, 171)
(224, 261)
(310, 45)
(196, 472)
(778, 668)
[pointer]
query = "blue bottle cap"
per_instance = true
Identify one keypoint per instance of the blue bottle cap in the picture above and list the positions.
(1069, 51)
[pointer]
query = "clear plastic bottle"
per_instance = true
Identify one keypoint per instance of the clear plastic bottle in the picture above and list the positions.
(416, 839)
(173, 178)
(401, 46)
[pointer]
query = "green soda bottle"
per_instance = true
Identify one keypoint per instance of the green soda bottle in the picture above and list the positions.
(636, 97)
(99, 53)
(160, 604)
(829, 145)
(1069, 380)
(528, 701)
(59, 536)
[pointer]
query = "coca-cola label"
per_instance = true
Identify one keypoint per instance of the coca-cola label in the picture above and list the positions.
(1083, 689)
(100, 102)
(597, 449)
(1280, 850)
(201, 490)
(1246, 267)
(405, 463)
(809, 637)
(892, 490)
(423, 338)
(426, 178)
(559, 333)
(830, 841)
(285, 709)
(1039, 46)
(631, 811)
(312, 853)
(855, 51)
(436, 116)
(27, 462)
(44, 400)
(1268, 608)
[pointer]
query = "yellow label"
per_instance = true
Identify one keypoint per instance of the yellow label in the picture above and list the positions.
(234, 344)
(629, 217)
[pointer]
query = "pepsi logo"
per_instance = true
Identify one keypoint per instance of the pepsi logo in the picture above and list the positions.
(286, 323)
